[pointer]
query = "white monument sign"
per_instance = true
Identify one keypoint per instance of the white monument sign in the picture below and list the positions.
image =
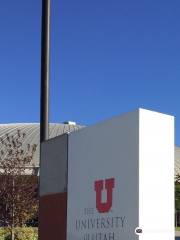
(121, 179)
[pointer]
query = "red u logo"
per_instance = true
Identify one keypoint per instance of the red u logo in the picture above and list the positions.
(103, 207)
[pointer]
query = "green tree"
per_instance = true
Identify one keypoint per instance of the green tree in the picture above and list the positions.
(18, 189)
(177, 199)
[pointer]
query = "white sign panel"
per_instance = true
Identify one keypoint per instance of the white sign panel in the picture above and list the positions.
(107, 166)
(103, 181)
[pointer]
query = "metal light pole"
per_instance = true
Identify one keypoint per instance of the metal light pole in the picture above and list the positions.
(45, 56)
(44, 104)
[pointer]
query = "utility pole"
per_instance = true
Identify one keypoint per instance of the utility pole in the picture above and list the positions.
(45, 69)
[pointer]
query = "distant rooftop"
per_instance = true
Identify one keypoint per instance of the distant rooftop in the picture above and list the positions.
(177, 160)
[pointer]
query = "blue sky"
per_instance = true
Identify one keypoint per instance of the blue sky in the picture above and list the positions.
(107, 57)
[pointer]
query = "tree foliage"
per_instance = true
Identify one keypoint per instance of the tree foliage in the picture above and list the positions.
(18, 189)
(177, 192)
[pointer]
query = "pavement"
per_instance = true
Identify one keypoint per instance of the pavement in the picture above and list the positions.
(177, 233)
